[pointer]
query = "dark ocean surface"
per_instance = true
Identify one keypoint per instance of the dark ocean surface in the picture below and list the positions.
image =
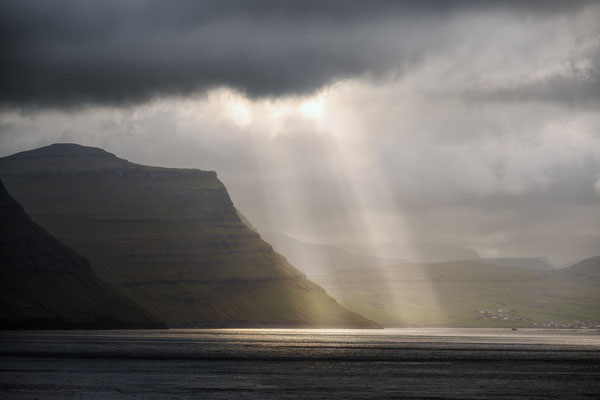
(301, 364)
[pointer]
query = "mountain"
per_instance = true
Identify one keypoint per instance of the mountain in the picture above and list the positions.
(420, 252)
(45, 284)
(538, 264)
(169, 238)
(588, 269)
(469, 293)
(318, 259)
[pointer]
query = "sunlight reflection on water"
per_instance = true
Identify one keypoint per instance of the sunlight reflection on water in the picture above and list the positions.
(587, 337)
(301, 363)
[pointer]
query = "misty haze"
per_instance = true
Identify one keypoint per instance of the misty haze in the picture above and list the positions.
(300, 199)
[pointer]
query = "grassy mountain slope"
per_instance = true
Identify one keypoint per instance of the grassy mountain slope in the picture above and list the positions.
(588, 269)
(469, 294)
(169, 238)
(45, 284)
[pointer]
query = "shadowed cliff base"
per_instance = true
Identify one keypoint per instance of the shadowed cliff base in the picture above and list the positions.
(46, 285)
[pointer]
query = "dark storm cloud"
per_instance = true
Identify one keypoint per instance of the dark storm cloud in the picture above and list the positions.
(63, 53)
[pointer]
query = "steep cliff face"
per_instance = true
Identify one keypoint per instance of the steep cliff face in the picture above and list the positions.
(169, 238)
(45, 284)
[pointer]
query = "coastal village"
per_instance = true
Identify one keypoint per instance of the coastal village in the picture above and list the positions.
(504, 314)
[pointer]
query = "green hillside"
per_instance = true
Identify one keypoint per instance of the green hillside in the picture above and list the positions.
(168, 238)
(470, 294)
(45, 284)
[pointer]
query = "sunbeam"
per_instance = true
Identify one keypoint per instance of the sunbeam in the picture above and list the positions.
(322, 131)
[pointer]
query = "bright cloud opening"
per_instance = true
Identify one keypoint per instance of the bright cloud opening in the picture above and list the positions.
(313, 107)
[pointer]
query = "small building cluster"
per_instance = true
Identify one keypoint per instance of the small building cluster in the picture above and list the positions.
(576, 324)
(500, 314)
(504, 314)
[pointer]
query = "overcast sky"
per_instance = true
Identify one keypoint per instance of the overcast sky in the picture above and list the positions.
(357, 123)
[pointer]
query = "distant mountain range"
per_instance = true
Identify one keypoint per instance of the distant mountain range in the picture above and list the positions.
(537, 264)
(45, 284)
(420, 252)
(170, 239)
(318, 259)
(471, 293)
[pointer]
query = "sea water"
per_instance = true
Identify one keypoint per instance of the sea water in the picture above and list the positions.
(300, 363)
